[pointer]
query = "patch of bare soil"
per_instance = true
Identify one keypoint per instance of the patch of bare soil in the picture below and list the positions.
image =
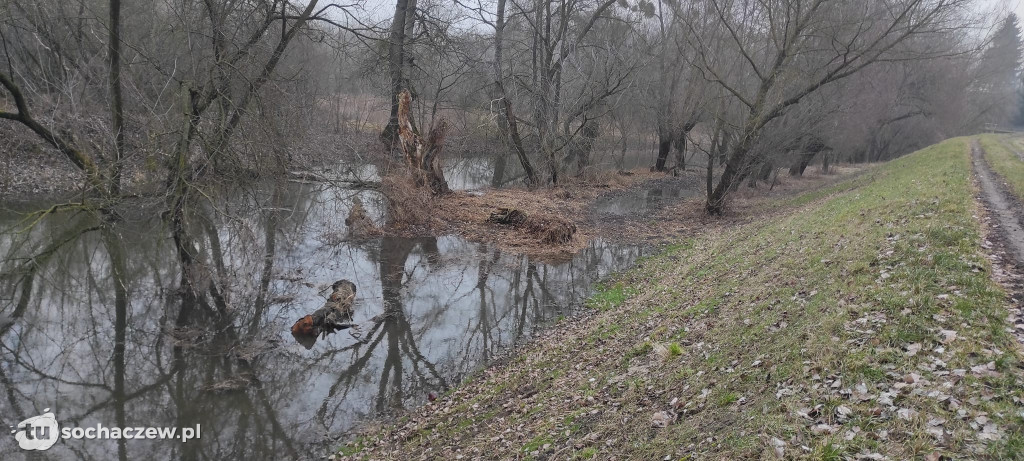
(1003, 227)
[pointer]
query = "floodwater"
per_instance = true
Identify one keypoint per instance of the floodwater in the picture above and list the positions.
(431, 310)
(640, 201)
(464, 173)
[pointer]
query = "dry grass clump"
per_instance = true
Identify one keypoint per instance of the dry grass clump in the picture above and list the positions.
(560, 215)
(551, 229)
(547, 229)
(470, 215)
(408, 206)
(508, 216)
(359, 223)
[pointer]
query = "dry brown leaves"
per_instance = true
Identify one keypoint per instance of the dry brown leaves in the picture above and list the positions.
(467, 213)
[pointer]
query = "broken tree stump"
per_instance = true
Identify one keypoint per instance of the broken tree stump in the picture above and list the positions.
(551, 229)
(423, 156)
(359, 223)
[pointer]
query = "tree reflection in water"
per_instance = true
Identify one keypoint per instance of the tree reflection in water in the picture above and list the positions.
(131, 325)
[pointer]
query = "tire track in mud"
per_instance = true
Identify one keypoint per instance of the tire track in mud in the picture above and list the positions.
(1005, 223)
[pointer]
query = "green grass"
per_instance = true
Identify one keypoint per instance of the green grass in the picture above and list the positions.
(727, 398)
(586, 453)
(352, 447)
(1001, 154)
(609, 297)
(536, 444)
(778, 317)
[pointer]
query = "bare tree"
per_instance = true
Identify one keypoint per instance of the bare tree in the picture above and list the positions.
(508, 125)
(795, 48)
(401, 28)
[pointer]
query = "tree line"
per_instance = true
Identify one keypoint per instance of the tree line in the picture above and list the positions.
(194, 90)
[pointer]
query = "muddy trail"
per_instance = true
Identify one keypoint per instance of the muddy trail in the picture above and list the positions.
(1004, 222)
(1006, 208)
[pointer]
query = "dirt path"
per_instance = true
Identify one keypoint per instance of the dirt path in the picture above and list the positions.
(1005, 224)
(1005, 208)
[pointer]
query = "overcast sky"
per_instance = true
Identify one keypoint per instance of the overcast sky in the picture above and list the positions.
(996, 9)
(1004, 6)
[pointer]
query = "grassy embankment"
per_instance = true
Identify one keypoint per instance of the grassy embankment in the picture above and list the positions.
(862, 324)
(1001, 153)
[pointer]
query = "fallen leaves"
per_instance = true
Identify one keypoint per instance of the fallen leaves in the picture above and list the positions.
(778, 447)
(822, 429)
(906, 414)
(990, 432)
(663, 418)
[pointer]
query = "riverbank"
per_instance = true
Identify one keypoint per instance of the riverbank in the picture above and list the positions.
(860, 321)
(655, 208)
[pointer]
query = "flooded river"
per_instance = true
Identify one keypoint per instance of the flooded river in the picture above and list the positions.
(431, 311)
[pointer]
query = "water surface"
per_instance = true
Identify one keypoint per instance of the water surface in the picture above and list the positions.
(432, 310)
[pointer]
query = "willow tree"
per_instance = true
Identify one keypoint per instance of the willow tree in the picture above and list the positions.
(790, 49)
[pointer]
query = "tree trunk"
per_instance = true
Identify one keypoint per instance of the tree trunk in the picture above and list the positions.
(798, 167)
(733, 171)
(723, 147)
(735, 184)
(665, 94)
(116, 102)
(507, 123)
(680, 142)
(396, 61)
(500, 164)
(407, 55)
(423, 157)
(517, 141)
(812, 146)
(591, 129)
(681, 154)
(664, 147)
(710, 178)
(765, 173)
(94, 176)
